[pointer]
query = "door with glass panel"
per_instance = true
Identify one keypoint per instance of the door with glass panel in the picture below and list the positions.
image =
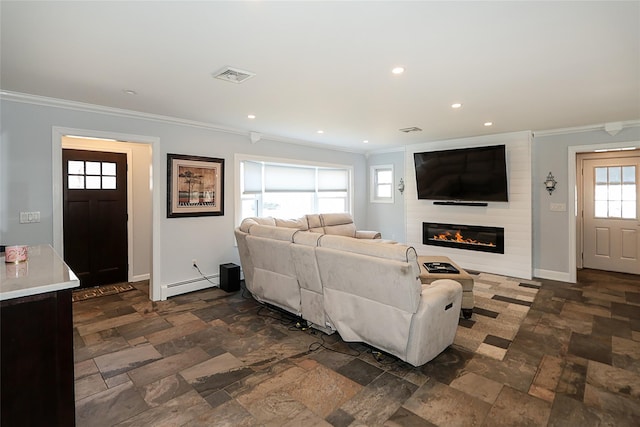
(611, 222)
(95, 216)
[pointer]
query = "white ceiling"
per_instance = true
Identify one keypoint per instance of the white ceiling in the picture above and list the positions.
(327, 65)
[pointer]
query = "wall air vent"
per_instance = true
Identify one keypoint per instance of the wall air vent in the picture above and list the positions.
(233, 75)
(411, 129)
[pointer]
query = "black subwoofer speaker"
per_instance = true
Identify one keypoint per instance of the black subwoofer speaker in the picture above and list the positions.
(229, 277)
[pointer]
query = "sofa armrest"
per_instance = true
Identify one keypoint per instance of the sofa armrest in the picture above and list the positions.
(434, 325)
(366, 234)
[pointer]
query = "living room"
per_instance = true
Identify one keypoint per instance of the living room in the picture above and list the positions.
(543, 231)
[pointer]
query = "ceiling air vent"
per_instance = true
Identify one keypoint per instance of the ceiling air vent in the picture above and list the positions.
(233, 75)
(411, 129)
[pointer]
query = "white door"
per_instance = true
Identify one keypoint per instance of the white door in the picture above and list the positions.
(611, 220)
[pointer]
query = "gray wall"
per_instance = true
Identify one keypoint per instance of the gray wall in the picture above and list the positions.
(387, 218)
(551, 235)
(26, 173)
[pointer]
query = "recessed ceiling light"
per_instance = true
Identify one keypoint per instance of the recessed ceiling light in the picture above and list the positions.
(251, 116)
(320, 131)
(488, 123)
(366, 141)
(398, 70)
(129, 92)
(456, 105)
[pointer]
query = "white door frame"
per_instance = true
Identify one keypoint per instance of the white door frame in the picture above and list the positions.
(56, 153)
(572, 197)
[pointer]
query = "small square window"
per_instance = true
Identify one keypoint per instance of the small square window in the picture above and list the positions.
(75, 167)
(108, 182)
(108, 169)
(93, 168)
(93, 182)
(76, 182)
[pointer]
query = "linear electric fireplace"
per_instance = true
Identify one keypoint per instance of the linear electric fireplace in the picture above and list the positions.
(469, 237)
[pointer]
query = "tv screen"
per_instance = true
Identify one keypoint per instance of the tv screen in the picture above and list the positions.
(477, 174)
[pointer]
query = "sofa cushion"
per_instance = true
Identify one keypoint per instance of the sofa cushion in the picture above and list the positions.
(390, 250)
(339, 224)
(298, 223)
(314, 223)
(273, 232)
(247, 223)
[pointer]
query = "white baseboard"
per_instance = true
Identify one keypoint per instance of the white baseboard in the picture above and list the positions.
(560, 276)
(141, 277)
(173, 289)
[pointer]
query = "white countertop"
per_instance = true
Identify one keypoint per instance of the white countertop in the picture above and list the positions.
(44, 271)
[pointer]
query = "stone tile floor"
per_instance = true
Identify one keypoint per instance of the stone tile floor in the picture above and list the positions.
(215, 359)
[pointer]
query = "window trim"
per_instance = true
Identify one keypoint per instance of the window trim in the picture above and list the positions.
(373, 184)
(238, 158)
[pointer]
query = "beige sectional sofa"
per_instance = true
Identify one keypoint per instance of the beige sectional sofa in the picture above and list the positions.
(319, 267)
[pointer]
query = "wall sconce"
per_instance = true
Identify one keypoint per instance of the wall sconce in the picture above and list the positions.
(550, 183)
(401, 186)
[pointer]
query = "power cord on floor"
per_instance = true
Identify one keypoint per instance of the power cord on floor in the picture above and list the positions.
(205, 277)
(297, 323)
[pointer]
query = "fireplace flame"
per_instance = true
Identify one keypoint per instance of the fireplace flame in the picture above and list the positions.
(457, 237)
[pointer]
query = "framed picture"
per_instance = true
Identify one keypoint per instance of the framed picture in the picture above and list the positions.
(195, 186)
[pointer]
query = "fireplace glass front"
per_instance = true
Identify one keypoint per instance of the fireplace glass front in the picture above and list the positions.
(468, 237)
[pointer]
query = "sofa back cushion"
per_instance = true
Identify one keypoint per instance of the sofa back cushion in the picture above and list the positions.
(298, 223)
(247, 223)
(303, 256)
(340, 224)
(274, 275)
(387, 273)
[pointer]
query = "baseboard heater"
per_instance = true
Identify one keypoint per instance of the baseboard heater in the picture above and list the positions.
(188, 282)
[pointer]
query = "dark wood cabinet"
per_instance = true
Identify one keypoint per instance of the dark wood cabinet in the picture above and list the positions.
(37, 360)
(36, 340)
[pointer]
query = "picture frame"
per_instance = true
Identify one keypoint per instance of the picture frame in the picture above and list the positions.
(195, 186)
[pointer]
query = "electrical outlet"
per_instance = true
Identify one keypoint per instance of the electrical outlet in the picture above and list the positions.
(194, 262)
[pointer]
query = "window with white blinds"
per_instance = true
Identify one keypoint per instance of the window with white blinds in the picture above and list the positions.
(290, 190)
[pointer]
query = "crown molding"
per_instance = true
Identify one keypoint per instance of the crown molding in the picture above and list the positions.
(578, 129)
(400, 149)
(119, 112)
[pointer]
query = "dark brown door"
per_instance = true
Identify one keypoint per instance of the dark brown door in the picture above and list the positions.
(95, 216)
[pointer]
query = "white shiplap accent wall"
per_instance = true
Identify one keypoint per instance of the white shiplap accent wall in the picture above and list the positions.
(514, 216)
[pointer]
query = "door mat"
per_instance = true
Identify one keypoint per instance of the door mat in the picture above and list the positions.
(99, 291)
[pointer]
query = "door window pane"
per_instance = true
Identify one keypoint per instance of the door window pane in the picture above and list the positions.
(93, 183)
(91, 175)
(76, 182)
(108, 168)
(601, 209)
(93, 168)
(108, 182)
(615, 192)
(76, 167)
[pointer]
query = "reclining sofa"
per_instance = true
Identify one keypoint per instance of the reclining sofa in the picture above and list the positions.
(319, 267)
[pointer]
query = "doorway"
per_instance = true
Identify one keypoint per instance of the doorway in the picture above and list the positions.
(144, 212)
(95, 219)
(609, 203)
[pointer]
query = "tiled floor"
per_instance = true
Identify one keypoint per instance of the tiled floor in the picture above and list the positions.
(215, 359)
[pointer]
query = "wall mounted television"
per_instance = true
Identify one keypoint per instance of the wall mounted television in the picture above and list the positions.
(476, 174)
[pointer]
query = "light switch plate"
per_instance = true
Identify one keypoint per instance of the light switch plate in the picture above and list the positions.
(558, 207)
(29, 217)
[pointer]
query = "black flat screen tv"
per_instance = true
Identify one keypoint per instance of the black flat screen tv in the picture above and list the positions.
(477, 174)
